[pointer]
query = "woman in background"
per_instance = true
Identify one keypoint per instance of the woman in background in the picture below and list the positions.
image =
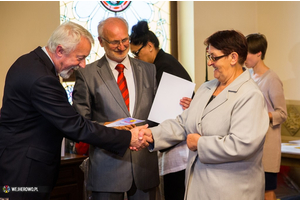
(271, 87)
(144, 45)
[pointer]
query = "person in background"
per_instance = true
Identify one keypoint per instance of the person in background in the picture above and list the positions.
(272, 89)
(225, 127)
(36, 115)
(144, 46)
(97, 97)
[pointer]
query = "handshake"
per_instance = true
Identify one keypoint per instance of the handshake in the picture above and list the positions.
(140, 137)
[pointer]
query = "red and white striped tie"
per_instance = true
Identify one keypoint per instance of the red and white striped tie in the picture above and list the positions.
(122, 84)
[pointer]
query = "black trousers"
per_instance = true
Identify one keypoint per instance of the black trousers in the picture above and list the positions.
(174, 186)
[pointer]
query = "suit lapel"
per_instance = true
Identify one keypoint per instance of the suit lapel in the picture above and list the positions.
(137, 76)
(219, 100)
(109, 80)
(224, 95)
(211, 87)
(48, 63)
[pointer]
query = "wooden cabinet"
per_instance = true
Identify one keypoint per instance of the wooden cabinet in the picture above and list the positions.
(69, 185)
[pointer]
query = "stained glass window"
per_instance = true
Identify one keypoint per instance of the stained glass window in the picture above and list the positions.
(90, 13)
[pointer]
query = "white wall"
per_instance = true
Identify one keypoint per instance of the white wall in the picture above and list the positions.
(24, 26)
(279, 21)
(210, 17)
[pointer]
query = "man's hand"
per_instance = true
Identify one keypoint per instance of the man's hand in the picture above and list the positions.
(139, 140)
(185, 102)
(192, 141)
(127, 127)
(147, 134)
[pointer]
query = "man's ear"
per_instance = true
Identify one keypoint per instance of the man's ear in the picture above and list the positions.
(100, 41)
(59, 51)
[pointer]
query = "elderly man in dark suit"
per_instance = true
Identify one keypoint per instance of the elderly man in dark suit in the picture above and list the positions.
(97, 97)
(36, 116)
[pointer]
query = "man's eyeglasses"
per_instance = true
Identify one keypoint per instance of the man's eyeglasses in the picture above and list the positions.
(214, 59)
(136, 54)
(116, 43)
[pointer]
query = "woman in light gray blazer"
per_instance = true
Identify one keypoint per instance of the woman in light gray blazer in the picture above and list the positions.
(224, 127)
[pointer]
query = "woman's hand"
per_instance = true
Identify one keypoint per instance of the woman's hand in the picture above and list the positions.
(192, 141)
(185, 102)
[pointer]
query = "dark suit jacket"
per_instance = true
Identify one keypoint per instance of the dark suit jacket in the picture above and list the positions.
(35, 117)
(165, 62)
(97, 97)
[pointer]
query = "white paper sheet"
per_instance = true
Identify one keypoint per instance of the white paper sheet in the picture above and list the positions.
(166, 104)
(292, 148)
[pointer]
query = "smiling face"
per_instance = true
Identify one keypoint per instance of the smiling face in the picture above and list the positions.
(68, 62)
(222, 67)
(115, 30)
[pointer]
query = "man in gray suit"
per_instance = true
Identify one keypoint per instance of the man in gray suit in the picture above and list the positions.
(97, 97)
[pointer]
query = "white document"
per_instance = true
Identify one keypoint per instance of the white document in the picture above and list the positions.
(166, 104)
(295, 141)
(292, 148)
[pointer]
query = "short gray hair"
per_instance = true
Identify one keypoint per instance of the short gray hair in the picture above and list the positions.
(68, 35)
(103, 22)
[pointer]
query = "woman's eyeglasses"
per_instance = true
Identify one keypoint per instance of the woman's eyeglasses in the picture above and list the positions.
(214, 59)
(136, 54)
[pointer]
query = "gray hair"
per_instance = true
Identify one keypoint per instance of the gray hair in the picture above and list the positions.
(103, 22)
(68, 35)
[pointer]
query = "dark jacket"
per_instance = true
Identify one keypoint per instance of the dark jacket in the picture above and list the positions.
(165, 62)
(35, 116)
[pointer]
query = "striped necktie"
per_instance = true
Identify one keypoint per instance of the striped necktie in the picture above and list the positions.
(122, 84)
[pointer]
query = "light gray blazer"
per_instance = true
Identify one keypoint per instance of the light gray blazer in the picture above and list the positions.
(96, 96)
(228, 162)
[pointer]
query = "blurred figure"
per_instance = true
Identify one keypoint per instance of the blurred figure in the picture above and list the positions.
(272, 89)
(144, 46)
(224, 127)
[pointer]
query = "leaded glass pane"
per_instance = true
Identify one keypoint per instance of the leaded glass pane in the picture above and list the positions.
(90, 13)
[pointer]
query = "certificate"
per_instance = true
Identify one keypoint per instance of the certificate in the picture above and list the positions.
(166, 104)
(124, 122)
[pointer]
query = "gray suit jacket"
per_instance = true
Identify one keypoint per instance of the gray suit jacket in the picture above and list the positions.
(97, 97)
(228, 162)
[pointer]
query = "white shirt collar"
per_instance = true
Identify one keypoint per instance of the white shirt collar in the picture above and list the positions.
(113, 64)
(45, 50)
